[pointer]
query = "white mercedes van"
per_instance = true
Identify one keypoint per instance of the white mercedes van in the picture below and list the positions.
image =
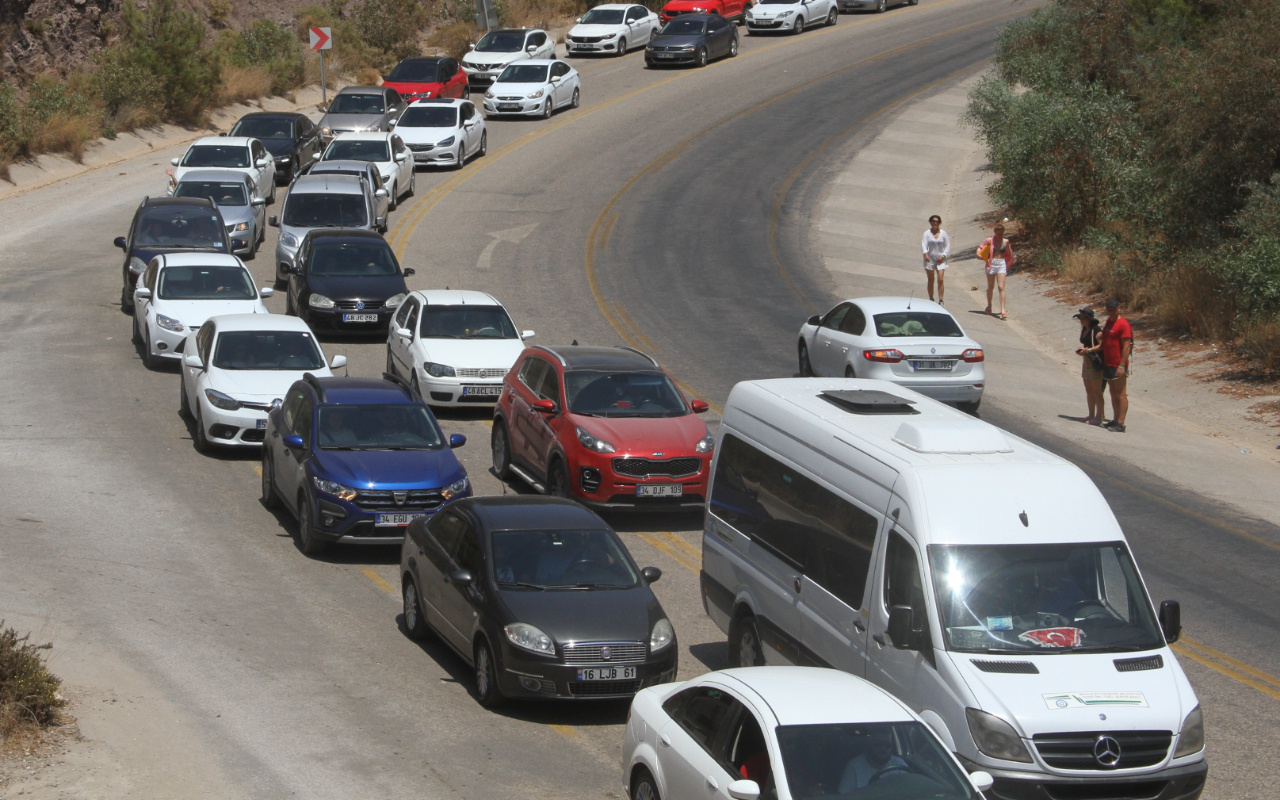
(983, 580)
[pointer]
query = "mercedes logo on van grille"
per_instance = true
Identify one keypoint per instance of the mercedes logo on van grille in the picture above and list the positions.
(606, 652)
(1106, 751)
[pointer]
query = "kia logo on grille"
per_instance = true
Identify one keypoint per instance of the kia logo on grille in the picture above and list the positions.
(1106, 751)
(659, 455)
(606, 653)
(359, 305)
(400, 497)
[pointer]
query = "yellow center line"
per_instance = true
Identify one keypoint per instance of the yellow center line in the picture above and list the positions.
(566, 731)
(379, 581)
(634, 328)
(669, 550)
(1198, 651)
(679, 541)
(257, 468)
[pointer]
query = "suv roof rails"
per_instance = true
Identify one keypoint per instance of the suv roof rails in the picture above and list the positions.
(546, 349)
(317, 386)
(641, 353)
(868, 401)
(403, 384)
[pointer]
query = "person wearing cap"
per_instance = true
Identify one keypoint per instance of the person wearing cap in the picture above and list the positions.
(936, 246)
(1117, 345)
(1091, 366)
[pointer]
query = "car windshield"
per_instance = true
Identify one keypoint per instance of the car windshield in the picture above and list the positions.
(524, 73)
(179, 227)
(429, 117)
(603, 16)
(778, 2)
(623, 394)
(264, 128)
(870, 761)
(683, 27)
(466, 322)
(232, 156)
(400, 426)
(206, 283)
(501, 42)
(368, 258)
(357, 104)
(415, 72)
(540, 559)
(221, 193)
(358, 150)
(325, 210)
(267, 350)
(1042, 598)
(902, 324)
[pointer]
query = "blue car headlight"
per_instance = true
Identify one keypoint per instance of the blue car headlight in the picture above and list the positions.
(336, 489)
(456, 488)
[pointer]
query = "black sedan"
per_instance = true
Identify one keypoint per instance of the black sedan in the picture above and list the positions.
(345, 280)
(540, 596)
(692, 39)
(292, 139)
(170, 225)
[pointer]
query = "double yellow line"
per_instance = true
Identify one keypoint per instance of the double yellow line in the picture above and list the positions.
(1233, 668)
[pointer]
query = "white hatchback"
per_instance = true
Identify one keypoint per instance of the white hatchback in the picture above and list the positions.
(533, 88)
(790, 733)
(443, 131)
(178, 292)
(237, 366)
(791, 15)
(454, 346)
(612, 29)
(240, 153)
(911, 342)
(386, 151)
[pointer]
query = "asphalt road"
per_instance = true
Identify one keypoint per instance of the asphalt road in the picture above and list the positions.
(669, 212)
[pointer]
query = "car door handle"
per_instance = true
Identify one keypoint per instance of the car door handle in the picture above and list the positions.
(275, 434)
(795, 582)
(712, 784)
(861, 628)
(665, 739)
(844, 349)
(878, 639)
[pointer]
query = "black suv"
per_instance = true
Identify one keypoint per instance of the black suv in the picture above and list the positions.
(291, 138)
(170, 225)
(345, 280)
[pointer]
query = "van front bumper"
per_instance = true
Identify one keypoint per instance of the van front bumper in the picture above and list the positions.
(1175, 783)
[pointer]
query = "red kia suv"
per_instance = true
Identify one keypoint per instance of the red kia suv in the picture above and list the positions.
(603, 425)
(735, 10)
(423, 77)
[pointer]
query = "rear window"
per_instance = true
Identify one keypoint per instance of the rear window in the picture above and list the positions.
(916, 323)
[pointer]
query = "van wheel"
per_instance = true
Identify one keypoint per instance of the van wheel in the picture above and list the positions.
(747, 650)
(806, 368)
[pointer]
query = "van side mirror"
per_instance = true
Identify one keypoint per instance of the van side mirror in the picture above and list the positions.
(651, 574)
(815, 320)
(457, 440)
(902, 628)
(1171, 620)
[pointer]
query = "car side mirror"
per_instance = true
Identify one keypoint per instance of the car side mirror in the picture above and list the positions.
(259, 201)
(545, 406)
(699, 406)
(224, 133)
(981, 781)
(142, 292)
(409, 272)
(175, 161)
(902, 627)
(273, 221)
(815, 320)
(266, 291)
(121, 243)
(317, 156)
(1171, 620)
(461, 577)
(456, 440)
(404, 333)
(555, 78)
(651, 574)
(262, 163)
(193, 360)
(392, 123)
(533, 48)
(400, 157)
(324, 109)
(579, 19)
(743, 790)
(338, 362)
(380, 193)
(471, 46)
(526, 334)
(294, 442)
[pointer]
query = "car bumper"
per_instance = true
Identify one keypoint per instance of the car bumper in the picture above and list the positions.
(341, 522)
(514, 108)
(248, 236)
(1175, 783)
(284, 171)
(857, 5)
(459, 391)
(592, 47)
(597, 483)
(966, 387)
(669, 57)
(241, 428)
(436, 156)
(525, 675)
(168, 344)
(479, 80)
(333, 320)
(772, 24)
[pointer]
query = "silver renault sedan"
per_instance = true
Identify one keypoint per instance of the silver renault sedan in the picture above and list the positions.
(243, 210)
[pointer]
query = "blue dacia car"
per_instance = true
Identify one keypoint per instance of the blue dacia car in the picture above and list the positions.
(356, 460)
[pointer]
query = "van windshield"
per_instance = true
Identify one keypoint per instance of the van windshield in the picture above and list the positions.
(1042, 598)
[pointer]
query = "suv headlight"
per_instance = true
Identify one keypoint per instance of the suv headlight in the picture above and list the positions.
(704, 446)
(661, 636)
(336, 489)
(223, 401)
(530, 638)
(289, 240)
(319, 301)
(995, 737)
(169, 323)
(1191, 737)
(395, 300)
(594, 443)
(137, 265)
(445, 142)
(439, 370)
(454, 489)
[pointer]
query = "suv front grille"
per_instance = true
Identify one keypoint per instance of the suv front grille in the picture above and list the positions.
(476, 372)
(415, 499)
(1076, 750)
(644, 467)
(593, 652)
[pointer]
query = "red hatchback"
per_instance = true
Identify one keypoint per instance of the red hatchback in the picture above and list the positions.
(423, 77)
(603, 425)
(735, 10)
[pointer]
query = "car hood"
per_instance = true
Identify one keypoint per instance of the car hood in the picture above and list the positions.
(769, 11)
(473, 353)
(232, 215)
(180, 172)
(477, 57)
(389, 469)
(1073, 690)
(672, 436)
(356, 288)
(517, 89)
(426, 135)
(932, 346)
(194, 313)
(685, 5)
(259, 386)
(591, 615)
(350, 122)
(279, 147)
(595, 30)
(681, 40)
(414, 87)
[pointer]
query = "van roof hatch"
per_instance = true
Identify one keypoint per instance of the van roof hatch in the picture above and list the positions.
(869, 401)
(958, 436)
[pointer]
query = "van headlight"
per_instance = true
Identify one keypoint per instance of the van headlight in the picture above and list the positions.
(454, 489)
(662, 635)
(1191, 737)
(995, 737)
(530, 638)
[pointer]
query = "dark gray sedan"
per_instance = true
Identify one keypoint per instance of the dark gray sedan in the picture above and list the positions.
(692, 39)
(539, 596)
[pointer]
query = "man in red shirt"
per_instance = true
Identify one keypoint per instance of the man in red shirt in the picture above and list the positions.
(1117, 344)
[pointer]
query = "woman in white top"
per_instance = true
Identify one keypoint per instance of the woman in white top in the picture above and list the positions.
(937, 247)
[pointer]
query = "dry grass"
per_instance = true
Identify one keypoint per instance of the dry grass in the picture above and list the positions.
(453, 40)
(65, 133)
(547, 14)
(1260, 343)
(368, 77)
(29, 696)
(1091, 270)
(242, 84)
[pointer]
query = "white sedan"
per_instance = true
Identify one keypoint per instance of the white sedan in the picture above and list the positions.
(791, 15)
(240, 153)
(237, 366)
(386, 151)
(454, 346)
(614, 29)
(790, 733)
(443, 131)
(178, 292)
(534, 88)
(911, 342)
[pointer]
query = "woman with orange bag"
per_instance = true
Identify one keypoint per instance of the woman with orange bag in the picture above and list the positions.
(997, 254)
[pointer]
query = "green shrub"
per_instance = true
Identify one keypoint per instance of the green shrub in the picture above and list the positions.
(125, 87)
(389, 28)
(169, 43)
(271, 47)
(10, 135)
(28, 691)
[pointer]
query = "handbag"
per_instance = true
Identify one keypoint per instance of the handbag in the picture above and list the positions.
(1096, 360)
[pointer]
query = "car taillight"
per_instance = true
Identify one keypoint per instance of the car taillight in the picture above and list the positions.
(884, 356)
(972, 356)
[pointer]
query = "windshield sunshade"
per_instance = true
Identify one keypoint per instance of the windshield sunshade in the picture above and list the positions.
(206, 283)
(378, 427)
(266, 350)
(916, 323)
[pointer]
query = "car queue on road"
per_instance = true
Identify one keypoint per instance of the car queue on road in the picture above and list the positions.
(536, 592)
